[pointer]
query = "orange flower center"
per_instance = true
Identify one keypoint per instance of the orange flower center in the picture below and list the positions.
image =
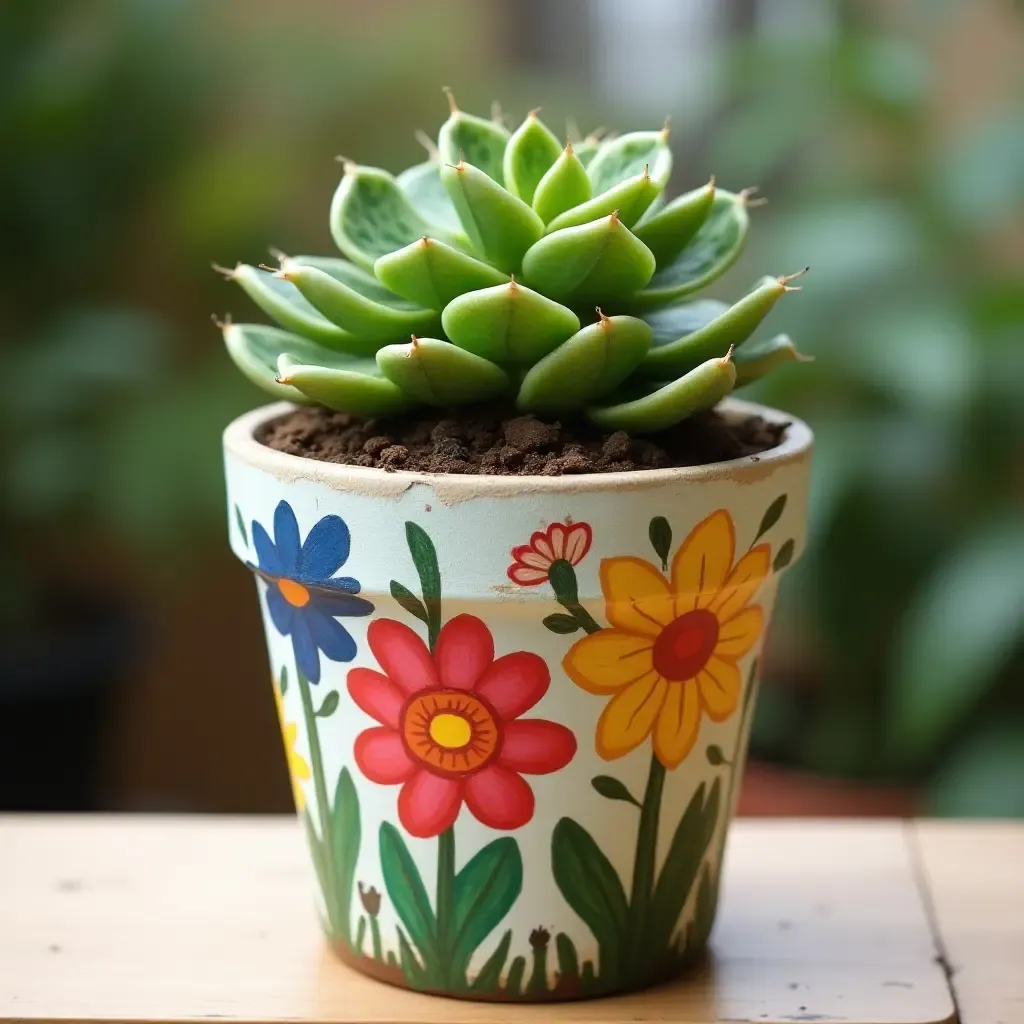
(685, 645)
(450, 731)
(294, 593)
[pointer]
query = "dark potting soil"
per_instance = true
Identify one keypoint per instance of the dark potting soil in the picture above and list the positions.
(505, 443)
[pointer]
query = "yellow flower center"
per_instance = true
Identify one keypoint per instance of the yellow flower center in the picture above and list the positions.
(294, 593)
(451, 731)
(684, 646)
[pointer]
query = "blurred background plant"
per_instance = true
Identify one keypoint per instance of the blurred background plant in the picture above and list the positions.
(145, 138)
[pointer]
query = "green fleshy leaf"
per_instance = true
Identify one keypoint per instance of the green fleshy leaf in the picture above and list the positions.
(240, 523)
(561, 623)
(564, 186)
(508, 323)
(409, 601)
(629, 199)
(425, 190)
(668, 232)
(489, 978)
(586, 150)
(432, 273)
(590, 364)
(357, 387)
(530, 153)
(476, 140)
(499, 225)
(439, 373)
(626, 156)
(784, 556)
(711, 252)
(346, 834)
(699, 389)
(424, 557)
(407, 894)
(602, 261)
(612, 789)
(347, 273)
(329, 706)
(771, 516)
(660, 534)
(756, 361)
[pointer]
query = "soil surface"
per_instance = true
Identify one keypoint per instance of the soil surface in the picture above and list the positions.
(506, 443)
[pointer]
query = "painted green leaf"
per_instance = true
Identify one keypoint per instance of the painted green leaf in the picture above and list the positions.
(704, 909)
(626, 156)
(439, 373)
(346, 835)
(568, 960)
(329, 706)
(415, 973)
(660, 534)
(771, 516)
(240, 523)
(320, 866)
(489, 978)
(530, 152)
(422, 184)
(784, 556)
(715, 755)
(282, 680)
(477, 140)
(516, 972)
(561, 623)
(356, 385)
(668, 232)
(588, 979)
(360, 935)
(756, 361)
(612, 789)
(408, 600)
(593, 889)
(485, 890)
(564, 186)
(424, 556)
(407, 894)
(682, 864)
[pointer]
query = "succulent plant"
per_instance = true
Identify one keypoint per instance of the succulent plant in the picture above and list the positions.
(507, 266)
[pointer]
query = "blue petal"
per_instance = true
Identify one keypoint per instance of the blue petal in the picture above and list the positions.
(266, 553)
(344, 584)
(330, 636)
(286, 536)
(307, 659)
(326, 549)
(341, 604)
(281, 612)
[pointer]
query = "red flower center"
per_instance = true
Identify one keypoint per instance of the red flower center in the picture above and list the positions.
(685, 645)
(452, 732)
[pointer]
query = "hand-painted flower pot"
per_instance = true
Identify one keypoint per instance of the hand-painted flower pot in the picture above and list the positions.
(516, 709)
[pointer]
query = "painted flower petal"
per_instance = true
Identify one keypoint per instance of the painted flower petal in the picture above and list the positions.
(286, 537)
(463, 650)
(428, 804)
(536, 746)
(720, 684)
(341, 604)
(743, 581)
(499, 798)
(345, 584)
(540, 543)
(329, 634)
(531, 557)
(703, 561)
(326, 549)
(282, 613)
(737, 636)
(382, 757)
(578, 542)
(678, 723)
(402, 655)
(266, 553)
(609, 660)
(637, 596)
(629, 716)
(556, 535)
(299, 768)
(307, 658)
(514, 683)
(376, 695)
(526, 576)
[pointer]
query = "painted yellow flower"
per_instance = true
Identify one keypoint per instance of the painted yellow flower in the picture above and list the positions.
(298, 769)
(671, 654)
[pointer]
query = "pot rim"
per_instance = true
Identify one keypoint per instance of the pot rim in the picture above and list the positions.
(240, 441)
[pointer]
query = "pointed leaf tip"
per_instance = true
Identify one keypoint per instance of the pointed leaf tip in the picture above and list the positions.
(453, 107)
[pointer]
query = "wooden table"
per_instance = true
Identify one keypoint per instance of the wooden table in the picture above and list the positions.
(185, 919)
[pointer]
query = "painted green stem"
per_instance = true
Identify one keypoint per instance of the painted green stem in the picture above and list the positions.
(581, 615)
(643, 866)
(378, 953)
(538, 982)
(445, 900)
(562, 577)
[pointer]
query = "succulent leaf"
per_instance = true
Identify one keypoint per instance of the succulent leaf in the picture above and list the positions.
(355, 277)
(474, 139)
(757, 360)
(602, 261)
(563, 186)
(431, 273)
(499, 225)
(509, 323)
(587, 149)
(626, 156)
(425, 190)
(439, 373)
(669, 231)
(593, 362)
(530, 153)
(254, 349)
(358, 387)
(629, 198)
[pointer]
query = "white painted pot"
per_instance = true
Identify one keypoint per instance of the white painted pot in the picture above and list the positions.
(516, 709)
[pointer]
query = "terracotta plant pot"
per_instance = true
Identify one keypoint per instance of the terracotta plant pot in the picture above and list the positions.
(516, 709)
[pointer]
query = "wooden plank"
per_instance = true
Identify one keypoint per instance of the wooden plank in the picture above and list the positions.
(975, 877)
(189, 919)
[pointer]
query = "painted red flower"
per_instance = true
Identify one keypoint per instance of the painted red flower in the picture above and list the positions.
(450, 727)
(531, 563)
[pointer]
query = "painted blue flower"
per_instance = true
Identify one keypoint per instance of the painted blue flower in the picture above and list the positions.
(304, 597)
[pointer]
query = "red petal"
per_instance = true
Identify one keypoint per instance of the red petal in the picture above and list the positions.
(382, 757)
(464, 649)
(376, 695)
(402, 655)
(536, 746)
(556, 534)
(499, 798)
(514, 683)
(578, 544)
(428, 804)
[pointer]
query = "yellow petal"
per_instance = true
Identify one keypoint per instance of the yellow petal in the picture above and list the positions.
(606, 661)
(703, 561)
(742, 584)
(720, 685)
(678, 723)
(629, 716)
(637, 596)
(300, 770)
(737, 636)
